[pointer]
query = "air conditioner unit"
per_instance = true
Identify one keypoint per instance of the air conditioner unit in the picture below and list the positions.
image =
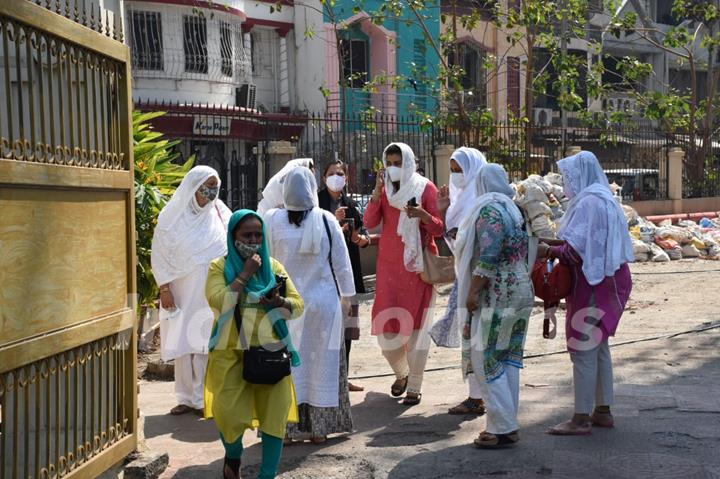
(542, 116)
(246, 96)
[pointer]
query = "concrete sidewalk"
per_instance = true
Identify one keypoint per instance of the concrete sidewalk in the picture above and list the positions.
(667, 408)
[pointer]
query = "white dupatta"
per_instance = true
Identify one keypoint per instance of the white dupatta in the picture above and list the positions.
(494, 188)
(188, 235)
(300, 194)
(412, 185)
(594, 224)
(462, 198)
(272, 195)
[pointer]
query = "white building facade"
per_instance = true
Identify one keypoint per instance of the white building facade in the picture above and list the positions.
(232, 75)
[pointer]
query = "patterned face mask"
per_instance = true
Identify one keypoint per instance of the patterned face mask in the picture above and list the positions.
(208, 192)
(246, 250)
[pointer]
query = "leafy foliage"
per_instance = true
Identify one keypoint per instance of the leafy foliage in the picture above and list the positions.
(156, 178)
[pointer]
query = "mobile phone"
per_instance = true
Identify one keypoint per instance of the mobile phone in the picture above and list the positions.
(280, 281)
(412, 202)
(348, 221)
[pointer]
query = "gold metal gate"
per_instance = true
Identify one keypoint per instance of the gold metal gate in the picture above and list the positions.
(68, 402)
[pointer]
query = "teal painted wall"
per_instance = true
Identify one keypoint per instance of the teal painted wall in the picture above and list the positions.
(416, 58)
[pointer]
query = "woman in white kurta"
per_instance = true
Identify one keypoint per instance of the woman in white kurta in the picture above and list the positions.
(299, 240)
(191, 232)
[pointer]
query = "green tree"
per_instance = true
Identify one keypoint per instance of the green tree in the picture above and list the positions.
(693, 44)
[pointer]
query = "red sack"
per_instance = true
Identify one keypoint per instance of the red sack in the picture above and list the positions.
(554, 285)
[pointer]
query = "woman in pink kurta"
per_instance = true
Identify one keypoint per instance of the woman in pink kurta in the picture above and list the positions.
(402, 299)
(597, 249)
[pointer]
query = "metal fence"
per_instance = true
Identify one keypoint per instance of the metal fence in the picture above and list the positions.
(360, 140)
(636, 158)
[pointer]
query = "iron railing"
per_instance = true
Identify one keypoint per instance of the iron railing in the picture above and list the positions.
(62, 411)
(634, 157)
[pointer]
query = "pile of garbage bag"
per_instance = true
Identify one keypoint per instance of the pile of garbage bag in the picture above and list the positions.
(544, 202)
(665, 241)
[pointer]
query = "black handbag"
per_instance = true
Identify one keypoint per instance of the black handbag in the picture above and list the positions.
(261, 365)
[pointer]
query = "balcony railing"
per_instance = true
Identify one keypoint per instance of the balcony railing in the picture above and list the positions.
(180, 45)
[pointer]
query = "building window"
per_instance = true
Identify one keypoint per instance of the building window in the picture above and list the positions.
(355, 62)
(226, 49)
(146, 40)
(663, 13)
(474, 78)
(195, 44)
(420, 84)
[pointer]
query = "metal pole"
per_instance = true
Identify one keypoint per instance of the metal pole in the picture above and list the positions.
(563, 49)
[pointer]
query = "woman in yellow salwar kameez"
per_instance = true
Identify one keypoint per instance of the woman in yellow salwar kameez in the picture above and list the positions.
(247, 275)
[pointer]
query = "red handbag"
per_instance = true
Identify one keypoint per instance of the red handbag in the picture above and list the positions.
(552, 282)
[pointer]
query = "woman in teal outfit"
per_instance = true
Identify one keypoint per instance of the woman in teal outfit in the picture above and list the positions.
(246, 276)
(494, 284)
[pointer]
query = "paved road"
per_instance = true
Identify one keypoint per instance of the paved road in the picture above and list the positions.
(667, 407)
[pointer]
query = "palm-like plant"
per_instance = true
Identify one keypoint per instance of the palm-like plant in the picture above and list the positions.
(156, 178)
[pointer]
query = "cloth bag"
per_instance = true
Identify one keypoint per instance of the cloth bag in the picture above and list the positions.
(438, 269)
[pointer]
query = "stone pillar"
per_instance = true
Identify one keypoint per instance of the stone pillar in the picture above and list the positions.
(675, 178)
(279, 153)
(572, 150)
(441, 175)
(284, 73)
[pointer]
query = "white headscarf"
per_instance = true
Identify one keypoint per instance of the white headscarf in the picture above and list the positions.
(300, 194)
(188, 235)
(462, 198)
(494, 188)
(412, 185)
(272, 195)
(594, 224)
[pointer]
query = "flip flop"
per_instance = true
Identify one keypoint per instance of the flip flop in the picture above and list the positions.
(181, 409)
(568, 428)
(399, 386)
(412, 399)
(488, 440)
(602, 419)
(468, 406)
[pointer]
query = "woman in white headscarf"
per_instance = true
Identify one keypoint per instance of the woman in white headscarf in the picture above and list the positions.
(494, 285)
(455, 203)
(191, 232)
(272, 195)
(309, 242)
(597, 248)
(406, 205)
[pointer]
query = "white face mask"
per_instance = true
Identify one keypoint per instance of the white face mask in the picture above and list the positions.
(335, 182)
(457, 179)
(394, 173)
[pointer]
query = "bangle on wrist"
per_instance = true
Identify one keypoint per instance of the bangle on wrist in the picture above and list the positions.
(240, 281)
(165, 289)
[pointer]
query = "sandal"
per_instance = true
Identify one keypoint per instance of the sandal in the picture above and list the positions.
(488, 440)
(569, 428)
(602, 419)
(181, 409)
(412, 399)
(232, 465)
(399, 386)
(468, 406)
